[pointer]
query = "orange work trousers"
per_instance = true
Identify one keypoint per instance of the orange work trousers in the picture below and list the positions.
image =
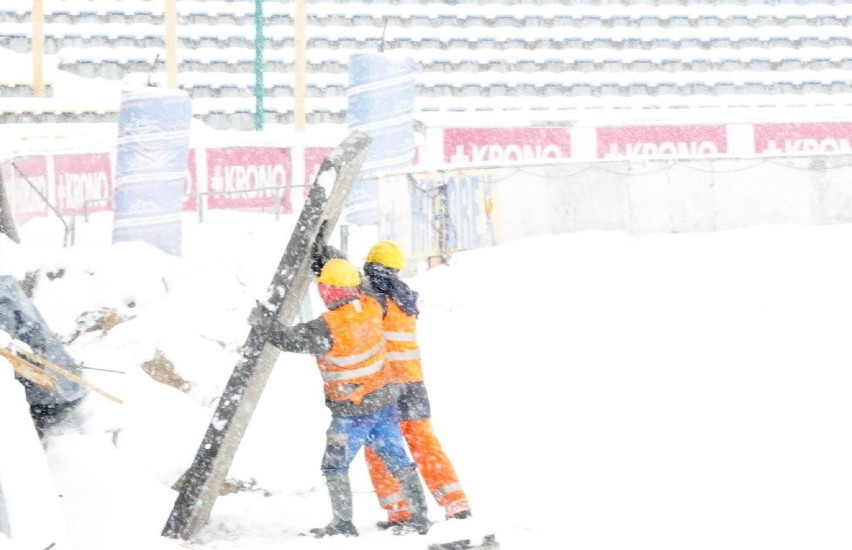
(434, 466)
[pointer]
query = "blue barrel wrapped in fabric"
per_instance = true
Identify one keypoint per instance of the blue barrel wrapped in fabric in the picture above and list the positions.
(151, 163)
(381, 104)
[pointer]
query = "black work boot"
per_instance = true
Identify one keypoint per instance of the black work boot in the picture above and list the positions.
(336, 527)
(385, 525)
(340, 494)
(419, 521)
(410, 526)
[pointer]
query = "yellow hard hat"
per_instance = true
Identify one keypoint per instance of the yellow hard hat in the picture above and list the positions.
(339, 272)
(388, 254)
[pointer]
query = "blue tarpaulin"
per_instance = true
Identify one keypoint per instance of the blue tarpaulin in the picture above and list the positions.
(151, 165)
(21, 320)
(381, 104)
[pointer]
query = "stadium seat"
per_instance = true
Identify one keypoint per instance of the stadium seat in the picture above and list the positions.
(471, 54)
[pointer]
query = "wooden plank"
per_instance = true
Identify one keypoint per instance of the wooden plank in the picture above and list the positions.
(171, 42)
(300, 45)
(49, 365)
(37, 47)
(28, 371)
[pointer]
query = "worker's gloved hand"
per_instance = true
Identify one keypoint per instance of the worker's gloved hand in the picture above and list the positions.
(261, 317)
(317, 258)
(321, 253)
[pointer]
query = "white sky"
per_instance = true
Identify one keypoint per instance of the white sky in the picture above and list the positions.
(594, 390)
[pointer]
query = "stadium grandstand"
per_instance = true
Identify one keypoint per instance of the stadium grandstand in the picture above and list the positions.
(556, 59)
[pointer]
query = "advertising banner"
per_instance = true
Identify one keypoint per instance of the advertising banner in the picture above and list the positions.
(83, 182)
(247, 178)
(27, 187)
(808, 138)
(680, 141)
(463, 145)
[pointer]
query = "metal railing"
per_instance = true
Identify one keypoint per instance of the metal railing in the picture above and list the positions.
(277, 190)
(86, 204)
(68, 233)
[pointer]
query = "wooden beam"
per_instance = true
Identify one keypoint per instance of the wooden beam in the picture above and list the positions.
(300, 44)
(170, 20)
(28, 371)
(39, 361)
(259, 88)
(37, 47)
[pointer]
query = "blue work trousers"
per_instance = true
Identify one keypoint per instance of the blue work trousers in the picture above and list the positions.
(346, 435)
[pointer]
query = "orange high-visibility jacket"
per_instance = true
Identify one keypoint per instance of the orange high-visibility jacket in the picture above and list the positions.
(355, 365)
(401, 342)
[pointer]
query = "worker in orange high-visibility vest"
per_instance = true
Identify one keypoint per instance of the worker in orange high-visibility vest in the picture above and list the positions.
(350, 350)
(381, 269)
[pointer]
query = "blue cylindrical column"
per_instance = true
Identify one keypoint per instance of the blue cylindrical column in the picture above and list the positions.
(150, 171)
(381, 104)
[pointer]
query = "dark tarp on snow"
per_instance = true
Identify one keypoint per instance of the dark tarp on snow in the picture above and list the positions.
(20, 318)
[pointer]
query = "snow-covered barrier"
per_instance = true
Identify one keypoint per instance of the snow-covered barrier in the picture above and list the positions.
(251, 171)
(433, 213)
(30, 513)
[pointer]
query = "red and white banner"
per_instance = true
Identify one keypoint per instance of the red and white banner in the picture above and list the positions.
(248, 177)
(505, 144)
(681, 141)
(83, 182)
(828, 137)
(26, 184)
(253, 177)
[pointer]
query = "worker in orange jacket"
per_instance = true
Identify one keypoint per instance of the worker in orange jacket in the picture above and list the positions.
(381, 269)
(349, 346)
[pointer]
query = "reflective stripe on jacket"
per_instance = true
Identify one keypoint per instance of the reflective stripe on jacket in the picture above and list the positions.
(401, 342)
(355, 364)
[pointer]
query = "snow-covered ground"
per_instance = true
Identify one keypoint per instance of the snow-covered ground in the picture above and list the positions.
(594, 390)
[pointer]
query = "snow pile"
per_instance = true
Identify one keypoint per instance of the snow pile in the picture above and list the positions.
(593, 390)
